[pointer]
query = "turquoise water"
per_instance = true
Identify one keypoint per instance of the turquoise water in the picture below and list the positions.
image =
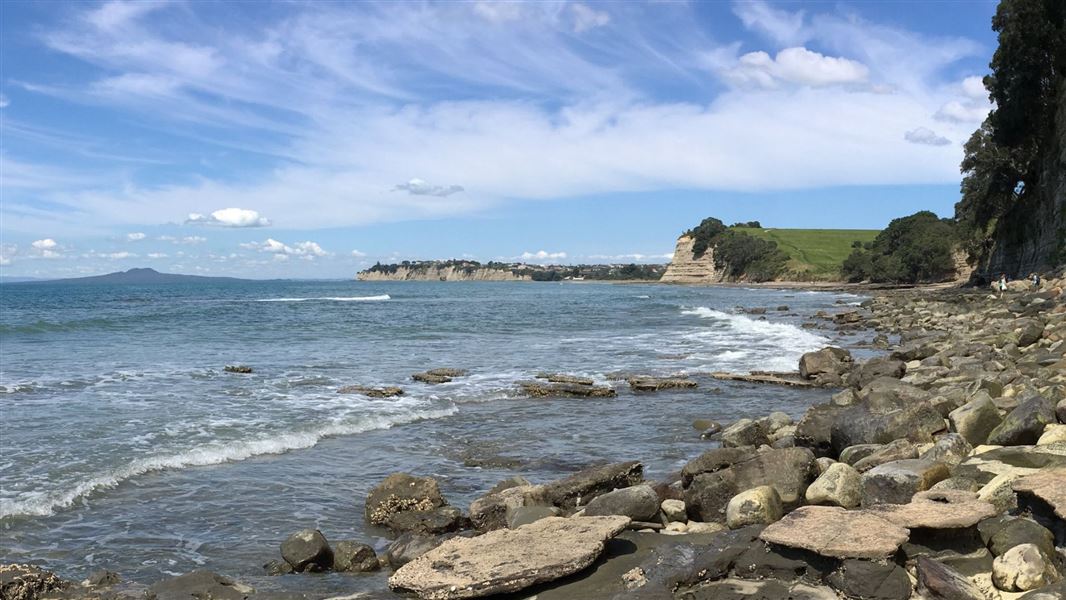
(125, 444)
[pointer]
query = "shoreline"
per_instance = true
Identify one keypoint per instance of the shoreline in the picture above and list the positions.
(966, 317)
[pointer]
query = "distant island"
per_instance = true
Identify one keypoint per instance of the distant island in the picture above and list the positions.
(472, 270)
(142, 276)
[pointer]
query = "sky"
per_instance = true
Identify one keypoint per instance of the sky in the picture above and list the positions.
(313, 139)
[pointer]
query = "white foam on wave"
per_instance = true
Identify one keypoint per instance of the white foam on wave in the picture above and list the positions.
(40, 504)
(380, 298)
(769, 345)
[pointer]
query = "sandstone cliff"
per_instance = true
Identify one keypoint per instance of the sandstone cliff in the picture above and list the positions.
(441, 273)
(684, 268)
(1032, 236)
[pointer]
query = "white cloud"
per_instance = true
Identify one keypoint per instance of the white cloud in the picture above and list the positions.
(542, 255)
(974, 88)
(119, 255)
(229, 217)
(156, 255)
(188, 240)
(780, 26)
(358, 254)
(45, 244)
(798, 66)
(46, 248)
(959, 112)
(307, 250)
(133, 237)
(586, 18)
(8, 253)
(418, 187)
(4, 101)
(926, 136)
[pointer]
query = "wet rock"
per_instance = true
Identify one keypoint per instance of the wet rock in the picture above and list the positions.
(506, 561)
(1024, 424)
(410, 546)
(706, 425)
(435, 376)
(937, 510)
(638, 502)
(307, 550)
(524, 515)
(839, 485)
(490, 511)
(745, 432)
(1023, 568)
(760, 505)
(277, 567)
(354, 557)
(767, 561)
(244, 369)
(535, 389)
(199, 585)
(564, 378)
(937, 581)
(836, 532)
(897, 482)
(372, 392)
(871, 580)
(975, 420)
(102, 578)
(438, 520)
(401, 492)
(581, 487)
(747, 589)
(28, 582)
(654, 384)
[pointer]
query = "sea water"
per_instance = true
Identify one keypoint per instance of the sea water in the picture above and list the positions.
(126, 445)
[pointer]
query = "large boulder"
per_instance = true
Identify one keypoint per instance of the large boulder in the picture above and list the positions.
(490, 511)
(745, 432)
(1023, 568)
(438, 520)
(307, 550)
(788, 470)
(760, 505)
(1024, 424)
(714, 460)
(839, 485)
(838, 533)
(354, 557)
(874, 368)
(581, 487)
(873, 580)
(950, 449)
(975, 419)
(826, 366)
(898, 481)
(639, 503)
(814, 430)
(28, 582)
(401, 492)
(865, 424)
(410, 546)
(941, 509)
(505, 561)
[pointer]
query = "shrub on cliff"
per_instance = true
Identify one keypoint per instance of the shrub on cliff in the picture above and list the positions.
(747, 257)
(913, 249)
(704, 234)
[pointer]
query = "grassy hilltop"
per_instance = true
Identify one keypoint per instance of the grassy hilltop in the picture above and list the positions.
(813, 253)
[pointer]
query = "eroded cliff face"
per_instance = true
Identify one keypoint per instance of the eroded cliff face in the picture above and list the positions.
(441, 274)
(1032, 236)
(684, 268)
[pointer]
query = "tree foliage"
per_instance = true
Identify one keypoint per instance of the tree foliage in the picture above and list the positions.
(911, 249)
(740, 256)
(1002, 158)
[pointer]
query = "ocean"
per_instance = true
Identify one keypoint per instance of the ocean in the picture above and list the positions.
(125, 445)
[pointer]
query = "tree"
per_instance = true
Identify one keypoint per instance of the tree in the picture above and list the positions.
(913, 249)
(703, 235)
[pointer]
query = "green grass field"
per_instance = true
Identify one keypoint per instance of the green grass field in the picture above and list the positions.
(815, 253)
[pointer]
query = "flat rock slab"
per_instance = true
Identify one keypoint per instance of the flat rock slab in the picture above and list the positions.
(941, 509)
(507, 560)
(836, 532)
(1049, 485)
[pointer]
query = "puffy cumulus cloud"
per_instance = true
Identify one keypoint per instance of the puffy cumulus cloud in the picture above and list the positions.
(229, 217)
(418, 187)
(586, 17)
(135, 237)
(45, 248)
(962, 112)
(45, 244)
(542, 255)
(306, 250)
(925, 136)
(796, 66)
(974, 88)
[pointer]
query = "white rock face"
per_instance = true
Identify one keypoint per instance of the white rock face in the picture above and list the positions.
(684, 268)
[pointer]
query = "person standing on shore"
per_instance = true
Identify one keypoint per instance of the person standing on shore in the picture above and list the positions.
(1002, 283)
(1035, 278)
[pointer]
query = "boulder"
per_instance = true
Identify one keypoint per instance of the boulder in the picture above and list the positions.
(814, 430)
(950, 449)
(875, 368)
(535, 389)
(1049, 485)
(434, 376)
(564, 378)
(410, 546)
(975, 420)
(827, 364)
(524, 515)
(745, 432)
(760, 505)
(871, 580)
(897, 482)
(867, 424)
(638, 502)
(674, 510)
(1024, 424)
(102, 578)
(198, 585)
(243, 369)
(1030, 333)
(1018, 531)
(401, 492)
(490, 511)
(839, 485)
(307, 550)
(505, 561)
(1053, 434)
(937, 510)
(788, 470)
(835, 532)
(581, 487)
(1023, 568)
(897, 450)
(715, 460)
(29, 582)
(937, 581)
(354, 557)
(438, 520)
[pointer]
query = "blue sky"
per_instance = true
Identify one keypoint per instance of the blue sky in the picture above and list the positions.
(314, 139)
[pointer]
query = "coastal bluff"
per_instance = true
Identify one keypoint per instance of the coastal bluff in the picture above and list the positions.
(684, 267)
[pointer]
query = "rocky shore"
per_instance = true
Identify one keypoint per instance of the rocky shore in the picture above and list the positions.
(937, 471)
